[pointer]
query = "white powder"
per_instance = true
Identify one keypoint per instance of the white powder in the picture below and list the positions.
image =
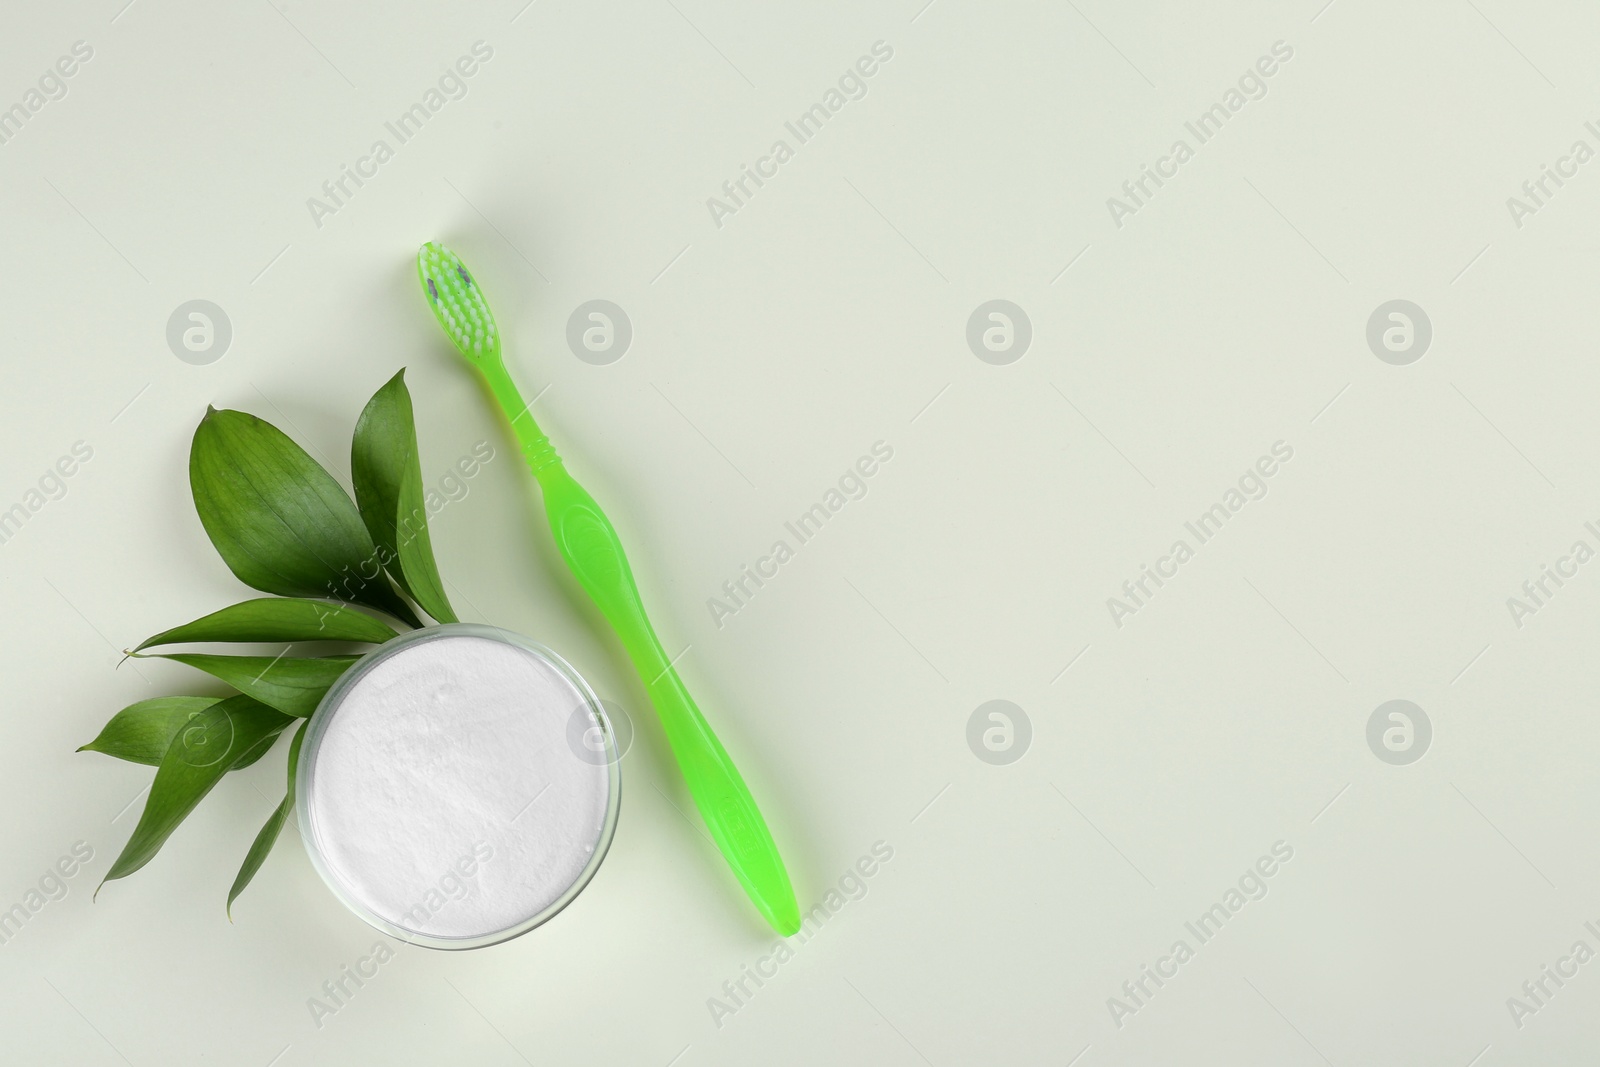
(428, 769)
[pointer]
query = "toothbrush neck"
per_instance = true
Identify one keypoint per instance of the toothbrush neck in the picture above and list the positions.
(537, 451)
(540, 455)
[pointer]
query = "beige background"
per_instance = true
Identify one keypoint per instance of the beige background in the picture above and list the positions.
(1168, 354)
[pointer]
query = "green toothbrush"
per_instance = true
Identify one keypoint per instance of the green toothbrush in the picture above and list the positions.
(594, 552)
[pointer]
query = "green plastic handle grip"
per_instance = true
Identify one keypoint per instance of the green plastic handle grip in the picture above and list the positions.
(589, 544)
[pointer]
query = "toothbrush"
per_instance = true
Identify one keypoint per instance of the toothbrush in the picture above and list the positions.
(593, 551)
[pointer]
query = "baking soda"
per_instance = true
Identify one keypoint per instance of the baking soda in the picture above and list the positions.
(444, 798)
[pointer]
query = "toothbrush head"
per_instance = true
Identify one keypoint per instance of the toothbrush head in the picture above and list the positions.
(458, 303)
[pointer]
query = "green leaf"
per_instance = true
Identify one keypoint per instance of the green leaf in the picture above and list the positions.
(279, 619)
(416, 549)
(270, 831)
(200, 754)
(379, 456)
(387, 472)
(281, 522)
(261, 749)
(142, 732)
(292, 684)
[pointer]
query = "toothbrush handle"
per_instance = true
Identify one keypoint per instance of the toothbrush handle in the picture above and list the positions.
(593, 551)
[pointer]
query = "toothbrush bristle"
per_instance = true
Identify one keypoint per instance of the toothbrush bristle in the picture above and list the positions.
(457, 301)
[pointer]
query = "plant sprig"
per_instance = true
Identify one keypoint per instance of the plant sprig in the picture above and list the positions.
(284, 526)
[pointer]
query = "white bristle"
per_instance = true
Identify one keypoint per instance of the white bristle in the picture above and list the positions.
(459, 304)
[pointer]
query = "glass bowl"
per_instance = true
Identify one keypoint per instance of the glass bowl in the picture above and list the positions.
(423, 787)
